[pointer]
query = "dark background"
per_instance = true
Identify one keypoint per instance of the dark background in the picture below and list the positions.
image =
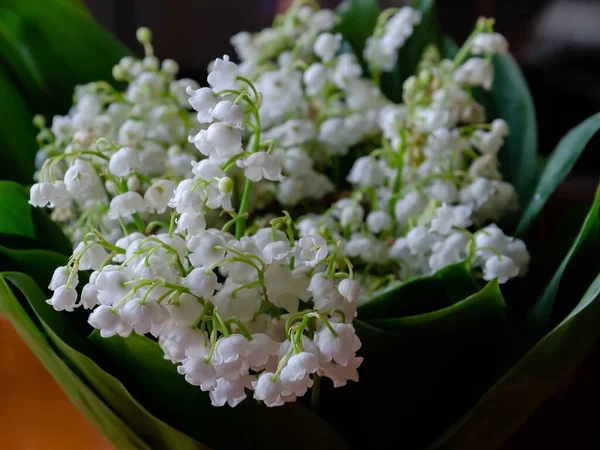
(557, 43)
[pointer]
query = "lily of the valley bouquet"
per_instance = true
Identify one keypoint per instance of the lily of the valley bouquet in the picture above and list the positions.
(322, 245)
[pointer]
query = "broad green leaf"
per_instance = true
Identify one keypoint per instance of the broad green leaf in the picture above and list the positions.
(557, 168)
(448, 47)
(513, 103)
(189, 409)
(38, 264)
(358, 20)
(49, 234)
(472, 306)
(25, 227)
(538, 375)
(17, 133)
(421, 295)
(15, 211)
(72, 347)
(78, 392)
(52, 46)
(420, 374)
(542, 313)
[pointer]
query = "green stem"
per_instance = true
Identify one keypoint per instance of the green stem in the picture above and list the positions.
(315, 393)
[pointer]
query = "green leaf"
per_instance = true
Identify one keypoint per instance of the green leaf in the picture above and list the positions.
(513, 103)
(557, 168)
(109, 391)
(25, 227)
(421, 295)
(141, 363)
(448, 47)
(538, 375)
(51, 46)
(17, 133)
(49, 234)
(544, 310)
(38, 264)
(77, 391)
(472, 306)
(419, 374)
(15, 211)
(358, 20)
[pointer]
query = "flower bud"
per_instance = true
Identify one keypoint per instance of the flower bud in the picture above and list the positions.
(226, 185)
(143, 35)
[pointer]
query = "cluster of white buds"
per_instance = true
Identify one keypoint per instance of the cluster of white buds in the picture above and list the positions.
(420, 200)
(260, 311)
(126, 149)
(316, 103)
(393, 29)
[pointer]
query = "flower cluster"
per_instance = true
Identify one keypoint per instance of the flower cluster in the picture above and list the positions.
(262, 311)
(316, 102)
(117, 154)
(393, 28)
(420, 200)
(158, 198)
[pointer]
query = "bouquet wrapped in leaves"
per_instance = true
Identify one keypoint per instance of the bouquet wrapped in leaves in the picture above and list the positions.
(328, 246)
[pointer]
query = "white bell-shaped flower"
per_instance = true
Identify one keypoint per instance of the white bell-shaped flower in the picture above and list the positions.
(448, 217)
(81, 178)
(143, 316)
(235, 301)
(485, 43)
(261, 165)
(203, 100)
(198, 372)
(341, 348)
(276, 252)
(313, 249)
(327, 45)
(158, 196)
(501, 267)
(225, 139)
(268, 389)
(409, 206)
(490, 238)
(224, 74)
(124, 161)
(230, 392)
(378, 221)
(63, 299)
(124, 205)
(315, 78)
(475, 72)
(191, 221)
(41, 194)
(349, 289)
(517, 251)
(229, 113)
(202, 283)
(60, 277)
(231, 348)
(185, 310)
(92, 258)
(104, 319)
(89, 296)
(262, 347)
(339, 374)
(366, 171)
(206, 249)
